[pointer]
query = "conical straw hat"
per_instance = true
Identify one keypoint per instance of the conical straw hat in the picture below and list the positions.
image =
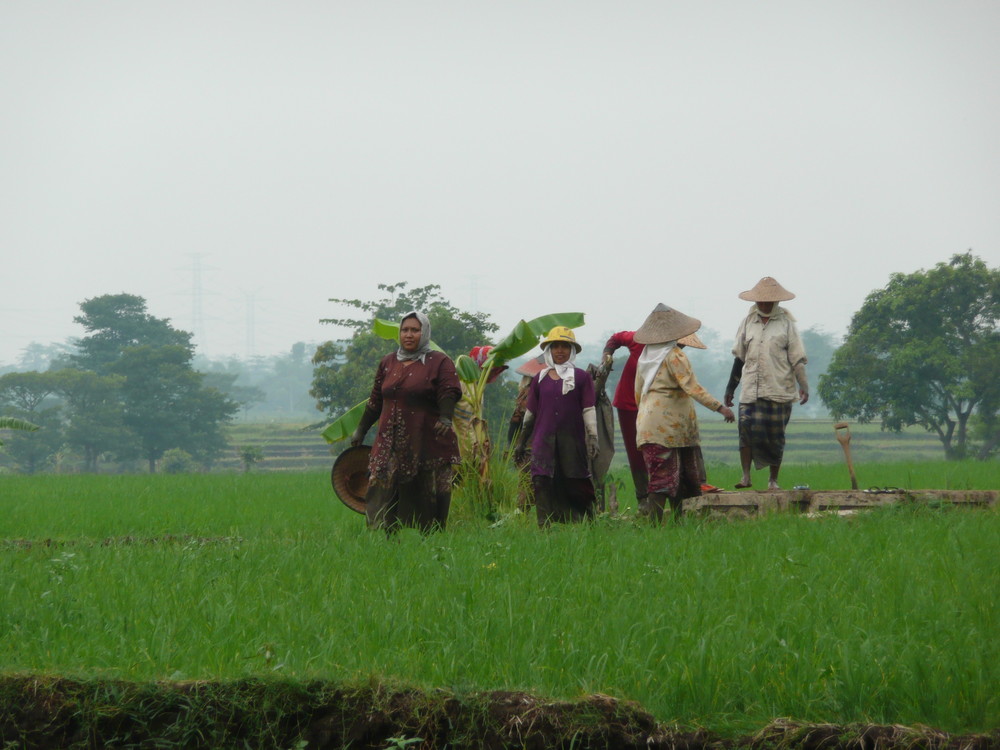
(665, 324)
(692, 340)
(767, 290)
(350, 477)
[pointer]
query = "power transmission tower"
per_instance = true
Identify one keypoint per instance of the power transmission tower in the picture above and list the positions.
(251, 300)
(197, 296)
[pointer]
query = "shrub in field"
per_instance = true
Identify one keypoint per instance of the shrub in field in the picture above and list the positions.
(250, 455)
(177, 461)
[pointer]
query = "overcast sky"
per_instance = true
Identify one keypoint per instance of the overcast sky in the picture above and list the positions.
(239, 163)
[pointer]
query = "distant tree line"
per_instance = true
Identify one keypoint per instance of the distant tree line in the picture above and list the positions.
(924, 350)
(126, 391)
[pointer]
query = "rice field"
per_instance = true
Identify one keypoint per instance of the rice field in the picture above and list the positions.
(886, 617)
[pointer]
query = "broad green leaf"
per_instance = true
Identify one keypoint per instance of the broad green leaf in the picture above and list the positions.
(390, 331)
(546, 323)
(525, 335)
(345, 425)
(468, 370)
(386, 329)
(13, 423)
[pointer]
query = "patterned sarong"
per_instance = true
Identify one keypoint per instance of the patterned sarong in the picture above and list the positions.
(762, 427)
(676, 472)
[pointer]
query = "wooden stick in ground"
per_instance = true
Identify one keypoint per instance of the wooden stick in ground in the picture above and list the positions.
(843, 432)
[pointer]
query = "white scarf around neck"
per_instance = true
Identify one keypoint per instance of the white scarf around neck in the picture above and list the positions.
(649, 362)
(565, 371)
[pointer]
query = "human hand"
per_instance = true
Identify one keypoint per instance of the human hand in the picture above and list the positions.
(727, 414)
(593, 448)
(803, 396)
(728, 400)
(442, 426)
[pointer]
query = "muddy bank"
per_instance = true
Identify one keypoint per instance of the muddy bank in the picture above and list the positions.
(48, 713)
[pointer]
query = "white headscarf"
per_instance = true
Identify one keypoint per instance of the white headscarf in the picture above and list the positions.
(649, 362)
(566, 371)
(425, 336)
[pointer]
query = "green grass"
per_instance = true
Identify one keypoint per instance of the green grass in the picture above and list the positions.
(889, 617)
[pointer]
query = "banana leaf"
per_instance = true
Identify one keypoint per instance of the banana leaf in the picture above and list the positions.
(386, 329)
(525, 335)
(468, 370)
(13, 423)
(344, 426)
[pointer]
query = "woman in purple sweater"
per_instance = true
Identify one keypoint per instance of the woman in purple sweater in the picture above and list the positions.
(561, 423)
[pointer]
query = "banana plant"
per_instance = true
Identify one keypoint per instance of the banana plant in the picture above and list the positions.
(13, 423)
(521, 340)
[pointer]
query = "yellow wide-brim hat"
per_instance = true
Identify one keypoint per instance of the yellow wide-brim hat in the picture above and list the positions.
(563, 334)
(767, 290)
(665, 324)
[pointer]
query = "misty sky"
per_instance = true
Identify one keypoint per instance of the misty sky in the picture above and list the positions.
(528, 156)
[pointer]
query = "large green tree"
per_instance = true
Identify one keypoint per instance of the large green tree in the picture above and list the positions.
(33, 396)
(166, 405)
(94, 415)
(27, 391)
(164, 402)
(115, 322)
(344, 370)
(924, 350)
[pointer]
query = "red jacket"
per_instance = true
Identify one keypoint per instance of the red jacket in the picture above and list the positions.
(625, 392)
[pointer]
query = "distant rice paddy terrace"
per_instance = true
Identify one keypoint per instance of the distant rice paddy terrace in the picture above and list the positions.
(290, 447)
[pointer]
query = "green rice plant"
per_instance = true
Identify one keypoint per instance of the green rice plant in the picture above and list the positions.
(886, 617)
(496, 496)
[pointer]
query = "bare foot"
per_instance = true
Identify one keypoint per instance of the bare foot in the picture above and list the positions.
(773, 486)
(744, 485)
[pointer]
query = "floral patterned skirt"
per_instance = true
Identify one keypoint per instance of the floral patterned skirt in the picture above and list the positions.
(675, 472)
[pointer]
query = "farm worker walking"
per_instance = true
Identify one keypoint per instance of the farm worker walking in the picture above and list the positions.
(625, 406)
(769, 362)
(666, 423)
(561, 424)
(412, 461)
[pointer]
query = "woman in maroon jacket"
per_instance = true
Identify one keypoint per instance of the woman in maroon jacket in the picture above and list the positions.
(624, 403)
(412, 462)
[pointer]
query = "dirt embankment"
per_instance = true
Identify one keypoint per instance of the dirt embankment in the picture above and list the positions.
(48, 713)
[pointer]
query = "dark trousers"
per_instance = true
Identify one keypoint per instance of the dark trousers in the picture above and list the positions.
(563, 499)
(636, 463)
(422, 503)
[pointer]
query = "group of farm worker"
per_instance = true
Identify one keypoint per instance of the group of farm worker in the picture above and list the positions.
(416, 389)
